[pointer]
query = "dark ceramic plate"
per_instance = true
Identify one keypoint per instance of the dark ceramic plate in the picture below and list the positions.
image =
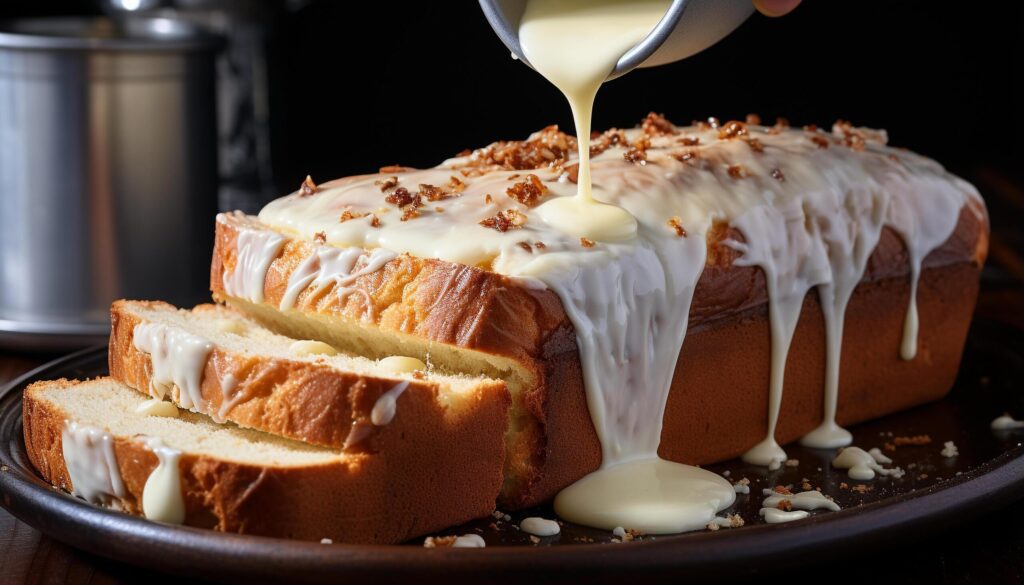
(987, 473)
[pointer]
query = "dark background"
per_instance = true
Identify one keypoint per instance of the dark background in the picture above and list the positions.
(359, 85)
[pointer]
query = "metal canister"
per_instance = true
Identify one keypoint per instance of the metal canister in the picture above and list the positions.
(108, 171)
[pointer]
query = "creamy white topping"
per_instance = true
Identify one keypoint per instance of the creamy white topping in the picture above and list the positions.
(256, 250)
(91, 464)
(861, 465)
(161, 495)
(539, 526)
(386, 406)
(1006, 423)
(806, 500)
(157, 407)
(810, 216)
(178, 359)
(777, 516)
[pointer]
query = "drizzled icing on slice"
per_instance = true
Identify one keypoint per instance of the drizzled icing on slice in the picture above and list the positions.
(92, 464)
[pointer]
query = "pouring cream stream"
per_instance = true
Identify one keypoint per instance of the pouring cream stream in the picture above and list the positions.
(576, 44)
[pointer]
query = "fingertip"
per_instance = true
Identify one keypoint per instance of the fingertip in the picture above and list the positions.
(776, 8)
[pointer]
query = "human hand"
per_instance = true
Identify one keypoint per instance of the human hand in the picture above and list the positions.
(775, 7)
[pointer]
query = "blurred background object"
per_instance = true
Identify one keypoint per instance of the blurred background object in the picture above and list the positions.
(107, 168)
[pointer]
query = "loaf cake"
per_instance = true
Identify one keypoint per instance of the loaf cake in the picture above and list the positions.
(781, 282)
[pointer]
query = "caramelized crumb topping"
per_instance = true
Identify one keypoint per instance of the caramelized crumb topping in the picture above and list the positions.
(503, 221)
(526, 246)
(347, 214)
(676, 224)
(785, 505)
(686, 156)
(395, 169)
(819, 141)
(780, 125)
(410, 212)
(434, 193)
(689, 140)
(401, 198)
(308, 187)
(606, 140)
(374, 220)
(737, 172)
(456, 185)
(587, 242)
(545, 149)
(540, 245)
(656, 124)
(713, 122)
(915, 440)
(529, 191)
(732, 129)
(755, 145)
(636, 156)
(572, 173)
(778, 175)
(320, 237)
(386, 184)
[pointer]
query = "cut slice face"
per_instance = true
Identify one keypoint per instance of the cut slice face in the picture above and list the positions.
(216, 361)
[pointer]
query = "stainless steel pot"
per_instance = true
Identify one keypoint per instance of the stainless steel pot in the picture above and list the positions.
(108, 172)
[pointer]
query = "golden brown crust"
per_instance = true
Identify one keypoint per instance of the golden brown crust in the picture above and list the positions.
(380, 498)
(474, 309)
(311, 402)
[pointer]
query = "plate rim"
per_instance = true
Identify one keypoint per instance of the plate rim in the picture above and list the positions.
(148, 544)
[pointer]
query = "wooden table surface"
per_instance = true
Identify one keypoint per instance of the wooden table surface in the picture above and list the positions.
(987, 549)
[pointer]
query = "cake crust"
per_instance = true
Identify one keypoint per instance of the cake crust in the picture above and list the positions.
(383, 498)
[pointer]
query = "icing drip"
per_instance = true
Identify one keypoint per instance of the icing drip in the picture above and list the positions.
(337, 266)
(1006, 423)
(91, 464)
(161, 496)
(539, 526)
(807, 500)
(386, 406)
(178, 360)
(256, 249)
(157, 407)
(777, 516)
(793, 258)
(231, 395)
(862, 465)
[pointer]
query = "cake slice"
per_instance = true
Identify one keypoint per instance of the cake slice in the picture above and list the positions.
(89, 438)
(218, 362)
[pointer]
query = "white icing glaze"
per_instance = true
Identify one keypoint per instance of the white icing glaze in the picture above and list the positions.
(161, 496)
(656, 496)
(539, 526)
(949, 449)
(333, 266)
(231, 395)
(1006, 423)
(401, 364)
(157, 407)
(806, 500)
(385, 407)
(178, 359)
(777, 516)
(92, 464)
(861, 465)
(629, 300)
(256, 249)
(878, 456)
(469, 541)
(308, 347)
